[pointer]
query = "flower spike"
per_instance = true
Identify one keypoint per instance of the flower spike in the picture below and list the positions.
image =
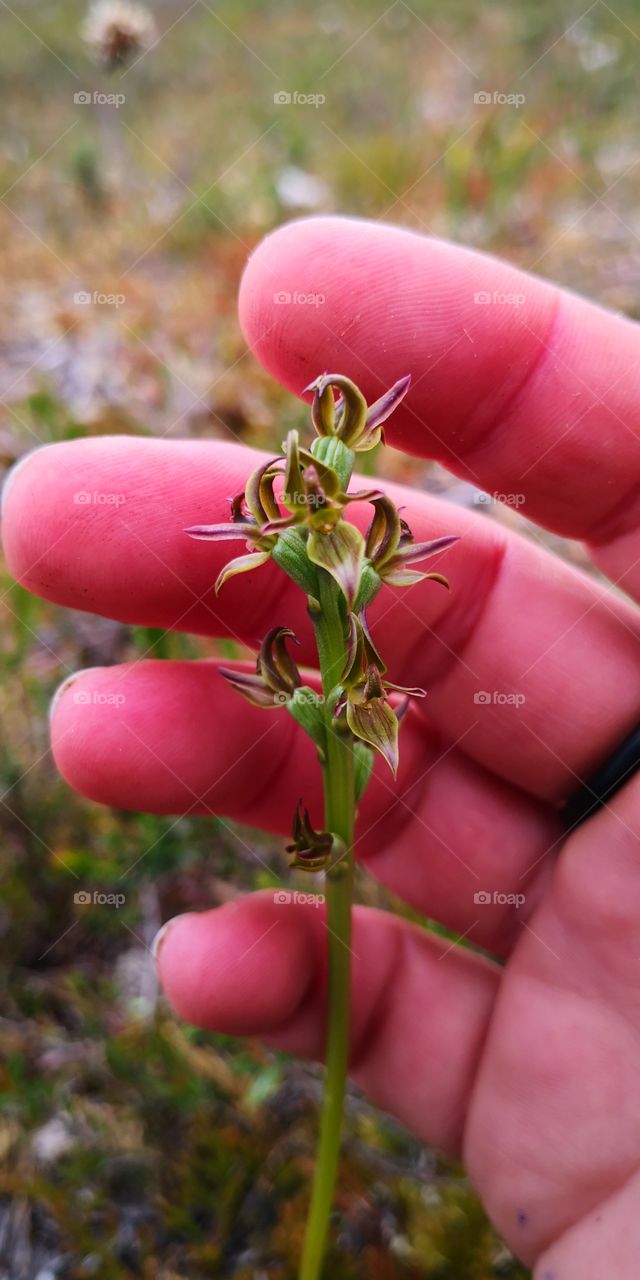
(294, 511)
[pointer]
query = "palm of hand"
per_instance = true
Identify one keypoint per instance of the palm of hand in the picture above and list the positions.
(553, 1134)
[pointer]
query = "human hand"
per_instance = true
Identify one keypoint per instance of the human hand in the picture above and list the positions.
(533, 1071)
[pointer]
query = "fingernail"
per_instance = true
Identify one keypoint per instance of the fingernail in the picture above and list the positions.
(162, 933)
(66, 684)
(13, 472)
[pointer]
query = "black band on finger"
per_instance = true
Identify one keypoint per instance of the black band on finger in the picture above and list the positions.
(603, 784)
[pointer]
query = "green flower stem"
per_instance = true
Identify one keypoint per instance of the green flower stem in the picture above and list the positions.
(339, 798)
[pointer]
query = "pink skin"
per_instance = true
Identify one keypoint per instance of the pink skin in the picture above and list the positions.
(532, 1071)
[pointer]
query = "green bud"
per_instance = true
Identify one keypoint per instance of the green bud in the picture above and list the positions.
(334, 453)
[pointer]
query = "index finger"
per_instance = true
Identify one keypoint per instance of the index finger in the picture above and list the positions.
(518, 387)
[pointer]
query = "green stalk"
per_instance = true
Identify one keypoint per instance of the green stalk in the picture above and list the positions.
(339, 813)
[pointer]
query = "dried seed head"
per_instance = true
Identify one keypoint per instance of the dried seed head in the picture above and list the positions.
(118, 31)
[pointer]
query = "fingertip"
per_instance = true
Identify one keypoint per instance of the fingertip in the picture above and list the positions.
(288, 267)
(64, 687)
(24, 472)
(77, 709)
(377, 302)
(240, 969)
(14, 472)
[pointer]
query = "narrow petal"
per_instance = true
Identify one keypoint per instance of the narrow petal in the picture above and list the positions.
(277, 526)
(400, 688)
(413, 552)
(241, 564)
(222, 532)
(381, 409)
(341, 553)
(253, 688)
(408, 577)
(375, 723)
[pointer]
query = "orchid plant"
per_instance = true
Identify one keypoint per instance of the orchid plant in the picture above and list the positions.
(293, 512)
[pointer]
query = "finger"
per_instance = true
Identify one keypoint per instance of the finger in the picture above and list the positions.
(518, 625)
(419, 1013)
(163, 737)
(520, 387)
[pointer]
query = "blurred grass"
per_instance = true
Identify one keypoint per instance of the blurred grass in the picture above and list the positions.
(130, 1145)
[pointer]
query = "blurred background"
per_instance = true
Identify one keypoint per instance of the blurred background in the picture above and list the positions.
(135, 177)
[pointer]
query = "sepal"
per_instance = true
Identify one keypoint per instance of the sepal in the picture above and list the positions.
(340, 553)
